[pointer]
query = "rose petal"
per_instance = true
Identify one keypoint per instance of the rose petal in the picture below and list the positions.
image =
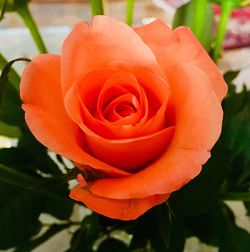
(121, 84)
(163, 42)
(198, 125)
(124, 110)
(131, 153)
(46, 117)
(105, 43)
(127, 209)
(158, 92)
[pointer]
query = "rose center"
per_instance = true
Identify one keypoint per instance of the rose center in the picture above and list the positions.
(124, 110)
(121, 107)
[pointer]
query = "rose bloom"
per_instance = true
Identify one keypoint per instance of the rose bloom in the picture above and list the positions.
(136, 109)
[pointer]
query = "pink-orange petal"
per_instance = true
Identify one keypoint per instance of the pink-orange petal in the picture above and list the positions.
(127, 209)
(44, 110)
(129, 154)
(158, 93)
(198, 125)
(46, 117)
(180, 46)
(104, 43)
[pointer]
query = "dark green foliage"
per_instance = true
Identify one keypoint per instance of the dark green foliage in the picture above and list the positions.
(19, 212)
(197, 196)
(11, 5)
(84, 238)
(112, 244)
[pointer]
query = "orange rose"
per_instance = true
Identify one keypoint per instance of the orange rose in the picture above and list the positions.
(137, 110)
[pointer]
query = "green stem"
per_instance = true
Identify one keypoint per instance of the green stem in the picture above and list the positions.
(200, 7)
(240, 196)
(28, 20)
(226, 10)
(3, 9)
(13, 75)
(96, 7)
(129, 12)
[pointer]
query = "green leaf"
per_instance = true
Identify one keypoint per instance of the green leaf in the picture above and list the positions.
(200, 23)
(176, 240)
(60, 208)
(25, 173)
(33, 243)
(159, 228)
(247, 206)
(236, 134)
(31, 193)
(141, 230)
(230, 76)
(208, 227)
(10, 107)
(112, 244)
(236, 240)
(23, 160)
(236, 137)
(37, 153)
(19, 212)
(163, 216)
(10, 103)
(9, 131)
(199, 195)
(84, 238)
(243, 179)
(238, 196)
(46, 187)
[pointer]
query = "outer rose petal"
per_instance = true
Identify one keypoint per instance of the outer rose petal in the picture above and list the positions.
(106, 43)
(127, 209)
(198, 126)
(163, 42)
(45, 114)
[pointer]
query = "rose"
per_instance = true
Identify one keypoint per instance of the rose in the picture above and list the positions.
(137, 110)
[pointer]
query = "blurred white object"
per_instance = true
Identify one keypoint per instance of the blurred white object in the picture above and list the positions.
(170, 5)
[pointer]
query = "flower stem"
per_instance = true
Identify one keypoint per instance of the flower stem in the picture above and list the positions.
(129, 12)
(28, 20)
(97, 7)
(13, 75)
(226, 10)
(200, 7)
